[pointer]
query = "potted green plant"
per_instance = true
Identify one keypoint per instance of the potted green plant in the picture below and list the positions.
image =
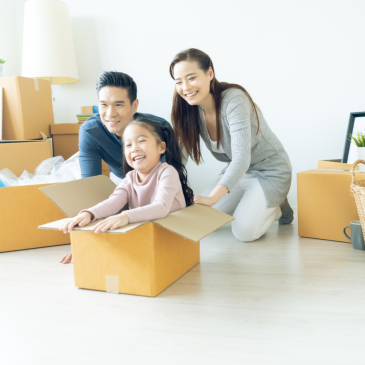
(2, 61)
(359, 141)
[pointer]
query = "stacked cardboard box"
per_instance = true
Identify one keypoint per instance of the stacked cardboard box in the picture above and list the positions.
(66, 142)
(27, 116)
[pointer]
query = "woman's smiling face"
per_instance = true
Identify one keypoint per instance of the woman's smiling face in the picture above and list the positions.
(141, 148)
(192, 83)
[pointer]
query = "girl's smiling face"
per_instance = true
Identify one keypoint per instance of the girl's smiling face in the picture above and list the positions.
(142, 150)
(192, 83)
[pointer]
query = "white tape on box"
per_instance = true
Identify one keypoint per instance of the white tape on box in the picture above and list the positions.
(36, 84)
(112, 284)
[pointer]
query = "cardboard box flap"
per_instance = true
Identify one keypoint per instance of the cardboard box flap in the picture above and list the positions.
(194, 222)
(44, 138)
(89, 228)
(335, 164)
(74, 196)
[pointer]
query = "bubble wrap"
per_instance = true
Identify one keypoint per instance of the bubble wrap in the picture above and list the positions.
(52, 170)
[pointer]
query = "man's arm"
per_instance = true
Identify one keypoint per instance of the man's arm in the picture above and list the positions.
(90, 157)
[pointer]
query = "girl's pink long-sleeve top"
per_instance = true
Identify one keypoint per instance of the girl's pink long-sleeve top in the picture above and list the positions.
(157, 196)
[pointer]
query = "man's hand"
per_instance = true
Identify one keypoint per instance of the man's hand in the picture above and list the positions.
(82, 220)
(67, 258)
(204, 200)
(113, 222)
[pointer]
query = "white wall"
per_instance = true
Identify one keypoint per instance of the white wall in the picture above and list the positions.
(302, 62)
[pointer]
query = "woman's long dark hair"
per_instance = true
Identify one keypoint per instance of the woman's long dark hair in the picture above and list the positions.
(185, 117)
(172, 153)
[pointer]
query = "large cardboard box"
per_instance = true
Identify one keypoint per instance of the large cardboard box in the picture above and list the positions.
(22, 210)
(141, 258)
(66, 142)
(18, 156)
(325, 205)
(27, 108)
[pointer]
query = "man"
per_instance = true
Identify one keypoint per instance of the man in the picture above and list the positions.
(100, 136)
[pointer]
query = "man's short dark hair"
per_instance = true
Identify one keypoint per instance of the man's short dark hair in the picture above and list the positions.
(118, 79)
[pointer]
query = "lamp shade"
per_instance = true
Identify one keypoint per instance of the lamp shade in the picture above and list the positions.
(48, 49)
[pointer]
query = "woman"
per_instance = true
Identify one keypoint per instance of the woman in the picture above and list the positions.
(254, 185)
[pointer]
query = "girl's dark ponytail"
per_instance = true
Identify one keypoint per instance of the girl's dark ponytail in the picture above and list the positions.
(172, 154)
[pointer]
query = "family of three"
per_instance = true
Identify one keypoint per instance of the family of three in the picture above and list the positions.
(146, 156)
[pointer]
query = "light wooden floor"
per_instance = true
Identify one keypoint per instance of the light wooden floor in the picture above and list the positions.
(280, 300)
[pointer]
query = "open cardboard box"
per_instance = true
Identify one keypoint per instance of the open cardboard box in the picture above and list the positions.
(18, 156)
(22, 210)
(141, 258)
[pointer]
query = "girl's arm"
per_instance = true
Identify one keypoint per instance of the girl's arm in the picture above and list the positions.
(168, 186)
(113, 204)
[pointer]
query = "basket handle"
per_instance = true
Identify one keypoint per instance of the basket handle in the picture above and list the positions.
(353, 168)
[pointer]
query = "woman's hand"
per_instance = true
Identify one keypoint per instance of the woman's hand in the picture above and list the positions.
(113, 222)
(204, 200)
(218, 193)
(82, 220)
(67, 258)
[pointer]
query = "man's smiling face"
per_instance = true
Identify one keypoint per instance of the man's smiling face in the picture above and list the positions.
(116, 109)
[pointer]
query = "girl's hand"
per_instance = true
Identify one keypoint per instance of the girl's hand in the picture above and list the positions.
(204, 200)
(82, 220)
(67, 258)
(113, 222)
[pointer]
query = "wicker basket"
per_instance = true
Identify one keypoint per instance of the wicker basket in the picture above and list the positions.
(358, 192)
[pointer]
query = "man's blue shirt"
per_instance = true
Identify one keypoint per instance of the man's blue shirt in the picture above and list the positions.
(96, 143)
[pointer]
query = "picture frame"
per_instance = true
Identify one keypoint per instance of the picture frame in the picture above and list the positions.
(1, 113)
(352, 126)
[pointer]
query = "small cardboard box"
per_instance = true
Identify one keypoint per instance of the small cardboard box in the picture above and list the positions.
(22, 210)
(335, 165)
(66, 142)
(18, 156)
(27, 108)
(325, 205)
(141, 258)
(65, 139)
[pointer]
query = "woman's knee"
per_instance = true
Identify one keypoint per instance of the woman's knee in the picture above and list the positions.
(245, 233)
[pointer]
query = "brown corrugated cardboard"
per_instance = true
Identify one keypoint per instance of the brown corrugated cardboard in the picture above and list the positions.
(335, 165)
(325, 205)
(66, 142)
(71, 197)
(27, 108)
(145, 256)
(23, 155)
(22, 210)
(65, 139)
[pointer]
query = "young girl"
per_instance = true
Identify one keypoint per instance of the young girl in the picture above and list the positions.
(155, 184)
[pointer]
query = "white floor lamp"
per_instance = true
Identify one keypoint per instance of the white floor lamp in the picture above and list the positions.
(48, 48)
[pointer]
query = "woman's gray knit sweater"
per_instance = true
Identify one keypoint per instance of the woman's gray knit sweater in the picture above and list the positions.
(261, 155)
